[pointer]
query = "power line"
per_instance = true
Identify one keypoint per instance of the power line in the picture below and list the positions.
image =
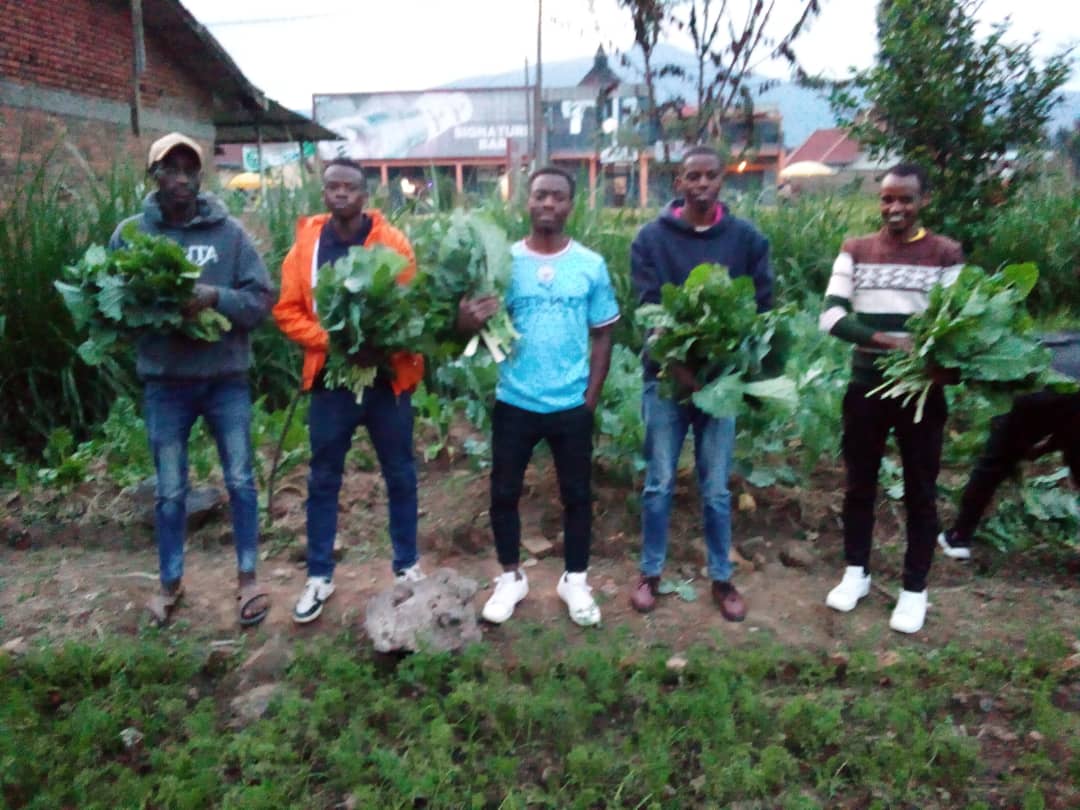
(270, 20)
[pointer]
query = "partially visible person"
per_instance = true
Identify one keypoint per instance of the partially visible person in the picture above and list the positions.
(877, 283)
(562, 303)
(184, 378)
(1037, 424)
(694, 229)
(386, 406)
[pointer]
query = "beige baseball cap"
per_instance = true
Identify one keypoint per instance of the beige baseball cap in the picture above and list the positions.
(162, 146)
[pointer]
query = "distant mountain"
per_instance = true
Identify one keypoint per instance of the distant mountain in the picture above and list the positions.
(803, 110)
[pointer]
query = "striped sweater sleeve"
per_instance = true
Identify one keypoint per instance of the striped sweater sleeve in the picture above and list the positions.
(837, 317)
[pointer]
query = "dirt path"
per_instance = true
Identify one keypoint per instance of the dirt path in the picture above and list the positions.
(52, 594)
(88, 570)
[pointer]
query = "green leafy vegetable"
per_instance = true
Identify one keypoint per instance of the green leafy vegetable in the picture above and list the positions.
(138, 289)
(711, 325)
(364, 308)
(472, 261)
(979, 327)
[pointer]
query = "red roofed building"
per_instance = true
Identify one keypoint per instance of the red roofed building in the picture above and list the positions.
(837, 149)
(833, 147)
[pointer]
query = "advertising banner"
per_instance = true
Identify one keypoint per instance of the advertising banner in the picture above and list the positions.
(423, 125)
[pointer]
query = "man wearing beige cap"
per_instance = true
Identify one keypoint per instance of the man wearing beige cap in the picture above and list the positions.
(185, 378)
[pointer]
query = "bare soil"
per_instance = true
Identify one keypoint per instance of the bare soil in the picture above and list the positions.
(82, 565)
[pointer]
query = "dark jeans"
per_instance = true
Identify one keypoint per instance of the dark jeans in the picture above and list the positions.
(332, 420)
(867, 422)
(515, 432)
(171, 409)
(1033, 418)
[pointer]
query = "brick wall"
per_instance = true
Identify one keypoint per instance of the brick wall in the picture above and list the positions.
(85, 47)
(76, 57)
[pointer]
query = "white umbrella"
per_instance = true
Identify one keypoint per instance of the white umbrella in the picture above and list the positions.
(806, 168)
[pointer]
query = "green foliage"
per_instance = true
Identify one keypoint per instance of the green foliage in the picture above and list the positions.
(46, 222)
(804, 237)
(978, 327)
(1040, 509)
(618, 418)
(138, 289)
(1042, 226)
(363, 307)
(275, 372)
(955, 101)
(596, 725)
(710, 325)
(466, 256)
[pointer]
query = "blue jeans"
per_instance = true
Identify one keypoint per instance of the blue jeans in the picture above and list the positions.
(666, 425)
(171, 409)
(332, 419)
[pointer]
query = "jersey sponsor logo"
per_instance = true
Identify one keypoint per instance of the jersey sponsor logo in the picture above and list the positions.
(201, 255)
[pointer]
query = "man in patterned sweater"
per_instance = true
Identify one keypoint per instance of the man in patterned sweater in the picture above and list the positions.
(877, 282)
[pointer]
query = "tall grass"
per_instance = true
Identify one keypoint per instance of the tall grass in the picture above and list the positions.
(49, 220)
(804, 238)
(275, 371)
(1041, 226)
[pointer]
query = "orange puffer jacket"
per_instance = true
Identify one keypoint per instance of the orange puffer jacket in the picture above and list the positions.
(295, 309)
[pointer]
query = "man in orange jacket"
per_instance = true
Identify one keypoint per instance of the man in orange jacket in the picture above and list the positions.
(386, 407)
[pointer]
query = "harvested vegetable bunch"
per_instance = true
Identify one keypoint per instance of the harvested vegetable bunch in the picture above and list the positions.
(711, 325)
(365, 310)
(138, 289)
(472, 260)
(979, 327)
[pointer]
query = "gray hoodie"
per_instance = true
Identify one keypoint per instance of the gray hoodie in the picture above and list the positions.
(218, 244)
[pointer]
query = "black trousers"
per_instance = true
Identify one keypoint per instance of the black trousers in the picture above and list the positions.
(515, 433)
(867, 423)
(1033, 418)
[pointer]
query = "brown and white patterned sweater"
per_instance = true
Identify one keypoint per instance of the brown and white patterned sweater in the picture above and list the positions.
(877, 283)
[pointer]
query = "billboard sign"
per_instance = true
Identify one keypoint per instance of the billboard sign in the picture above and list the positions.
(275, 154)
(424, 125)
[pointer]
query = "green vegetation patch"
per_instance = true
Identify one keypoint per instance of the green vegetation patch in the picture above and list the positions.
(540, 723)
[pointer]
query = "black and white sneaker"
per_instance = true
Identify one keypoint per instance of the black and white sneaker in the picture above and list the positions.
(311, 601)
(951, 547)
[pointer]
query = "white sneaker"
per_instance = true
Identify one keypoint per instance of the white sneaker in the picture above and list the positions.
(575, 591)
(853, 587)
(510, 588)
(910, 612)
(311, 601)
(410, 574)
(951, 551)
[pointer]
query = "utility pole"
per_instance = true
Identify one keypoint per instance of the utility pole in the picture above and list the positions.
(539, 122)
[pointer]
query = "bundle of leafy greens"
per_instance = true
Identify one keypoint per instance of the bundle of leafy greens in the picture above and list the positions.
(366, 311)
(138, 289)
(472, 261)
(711, 325)
(979, 328)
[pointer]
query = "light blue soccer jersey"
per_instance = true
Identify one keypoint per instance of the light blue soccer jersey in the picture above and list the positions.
(554, 299)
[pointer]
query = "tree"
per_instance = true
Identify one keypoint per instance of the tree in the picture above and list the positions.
(958, 104)
(726, 64)
(730, 40)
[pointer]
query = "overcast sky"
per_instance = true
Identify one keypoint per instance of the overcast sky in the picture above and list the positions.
(291, 50)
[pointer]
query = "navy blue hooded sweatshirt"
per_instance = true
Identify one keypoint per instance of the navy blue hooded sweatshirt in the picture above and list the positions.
(218, 244)
(668, 248)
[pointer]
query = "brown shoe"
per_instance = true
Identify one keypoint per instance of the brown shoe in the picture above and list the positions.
(731, 604)
(643, 597)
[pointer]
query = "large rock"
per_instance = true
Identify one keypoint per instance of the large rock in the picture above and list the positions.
(203, 503)
(798, 554)
(432, 614)
(252, 704)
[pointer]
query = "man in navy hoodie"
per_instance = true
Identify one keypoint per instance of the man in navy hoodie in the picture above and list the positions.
(185, 378)
(695, 229)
